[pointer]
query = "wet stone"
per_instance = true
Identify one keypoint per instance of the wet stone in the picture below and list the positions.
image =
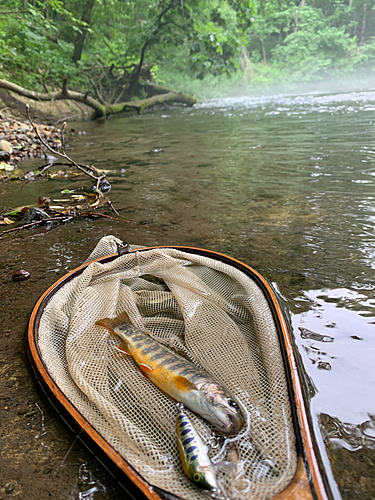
(34, 215)
(4, 155)
(20, 275)
(322, 365)
(9, 487)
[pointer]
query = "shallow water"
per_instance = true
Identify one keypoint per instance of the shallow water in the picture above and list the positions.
(283, 183)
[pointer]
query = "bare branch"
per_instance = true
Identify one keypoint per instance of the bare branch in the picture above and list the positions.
(63, 155)
(62, 137)
(31, 224)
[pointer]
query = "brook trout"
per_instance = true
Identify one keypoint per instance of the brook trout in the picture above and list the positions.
(177, 377)
(193, 454)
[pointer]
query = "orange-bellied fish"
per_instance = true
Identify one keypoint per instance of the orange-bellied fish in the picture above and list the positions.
(193, 454)
(177, 377)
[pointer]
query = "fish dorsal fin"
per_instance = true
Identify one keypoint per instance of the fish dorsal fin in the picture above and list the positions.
(184, 385)
(111, 323)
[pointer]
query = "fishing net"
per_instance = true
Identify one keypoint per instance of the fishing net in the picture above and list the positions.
(205, 310)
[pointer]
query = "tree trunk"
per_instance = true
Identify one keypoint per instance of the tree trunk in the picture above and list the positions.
(137, 70)
(80, 38)
(263, 51)
(363, 30)
(100, 109)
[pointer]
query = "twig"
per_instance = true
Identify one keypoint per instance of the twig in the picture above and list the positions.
(70, 117)
(62, 137)
(86, 169)
(63, 155)
(113, 208)
(59, 163)
(98, 214)
(25, 226)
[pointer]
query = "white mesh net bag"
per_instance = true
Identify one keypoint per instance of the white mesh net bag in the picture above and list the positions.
(205, 310)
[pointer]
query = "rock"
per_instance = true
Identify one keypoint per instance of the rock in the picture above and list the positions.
(4, 156)
(6, 146)
(34, 215)
(20, 275)
(104, 186)
(9, 487)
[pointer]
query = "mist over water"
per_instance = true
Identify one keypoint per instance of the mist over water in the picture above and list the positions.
(285, 183)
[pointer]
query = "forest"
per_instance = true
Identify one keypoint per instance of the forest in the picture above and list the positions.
(117, 54)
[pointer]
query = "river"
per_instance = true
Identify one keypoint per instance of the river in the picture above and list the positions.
(284, 183)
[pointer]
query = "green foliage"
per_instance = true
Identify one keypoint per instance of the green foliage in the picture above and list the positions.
(253, 41)
(312, 40)
(29, 54)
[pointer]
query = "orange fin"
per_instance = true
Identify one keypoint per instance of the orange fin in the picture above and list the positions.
(123, 348)
(145, 370)
(111, 323)
(184, 385)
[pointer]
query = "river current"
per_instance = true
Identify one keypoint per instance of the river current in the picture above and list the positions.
(286, 184)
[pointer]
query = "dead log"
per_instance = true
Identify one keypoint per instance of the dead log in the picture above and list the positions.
(101, 109)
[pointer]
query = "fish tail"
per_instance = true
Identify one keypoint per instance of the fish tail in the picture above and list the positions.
(111, 323)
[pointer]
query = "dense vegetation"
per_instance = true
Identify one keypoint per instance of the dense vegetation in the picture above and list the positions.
(115, 48)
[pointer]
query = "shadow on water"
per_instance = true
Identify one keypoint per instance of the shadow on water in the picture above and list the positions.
(283, 183)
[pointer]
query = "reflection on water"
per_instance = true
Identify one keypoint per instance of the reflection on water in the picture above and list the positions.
(350, 449)
(87, 487)
(283, 183)
(340, 367)
(349, 436)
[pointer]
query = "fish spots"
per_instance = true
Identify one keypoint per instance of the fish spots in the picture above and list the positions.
(180, 417)
(187, 441)
(182, 424)
(194, 458)
(191, 449)
(184, 432)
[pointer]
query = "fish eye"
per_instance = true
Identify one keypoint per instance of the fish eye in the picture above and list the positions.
(196, 477)
(233, 404)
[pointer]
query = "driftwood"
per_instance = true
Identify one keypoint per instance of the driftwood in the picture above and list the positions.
(101, 109)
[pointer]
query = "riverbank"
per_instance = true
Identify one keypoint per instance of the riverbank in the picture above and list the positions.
(18, 139)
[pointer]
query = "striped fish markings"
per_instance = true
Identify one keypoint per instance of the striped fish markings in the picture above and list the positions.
(193, 454)
(177, 377)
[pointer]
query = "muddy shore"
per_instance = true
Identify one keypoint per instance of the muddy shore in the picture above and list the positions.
(41, 457)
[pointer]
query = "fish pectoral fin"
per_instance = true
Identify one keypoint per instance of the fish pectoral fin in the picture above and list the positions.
(184, 385)
(123, 348)
(145, 370)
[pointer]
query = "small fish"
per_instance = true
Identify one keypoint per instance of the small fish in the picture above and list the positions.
(193, 454)
(177, 377)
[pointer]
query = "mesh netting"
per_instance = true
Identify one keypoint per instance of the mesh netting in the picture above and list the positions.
(205, 310)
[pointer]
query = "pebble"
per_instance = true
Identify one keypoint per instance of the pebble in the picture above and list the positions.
(20, 275)
(6, 146)
(9, 487)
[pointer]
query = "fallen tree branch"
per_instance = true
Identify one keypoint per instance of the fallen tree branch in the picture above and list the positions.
(52, 96)
(99, 108)
(142, 104)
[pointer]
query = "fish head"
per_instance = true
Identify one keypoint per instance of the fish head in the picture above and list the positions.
(224, 412)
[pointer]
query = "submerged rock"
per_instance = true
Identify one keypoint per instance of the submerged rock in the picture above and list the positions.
(34, 215)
